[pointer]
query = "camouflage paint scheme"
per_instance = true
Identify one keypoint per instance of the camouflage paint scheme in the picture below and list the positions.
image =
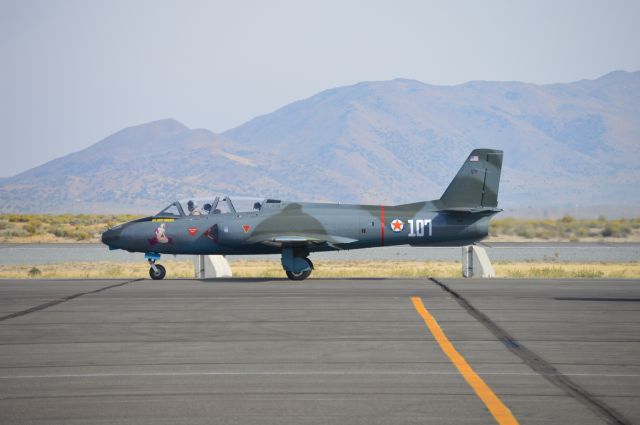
(295, 229)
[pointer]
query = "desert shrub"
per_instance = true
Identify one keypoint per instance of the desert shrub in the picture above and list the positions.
(594, 232)
(34, 271)
(60, 219)
(544, 233)
(60, 233)
(82, 236)
(616, 229)
(588, 273)
(79, 233)
(17, 218)
(33, 227)
(547, 272)
(526, 231)
(13, 233)
(567, 219)
(582, 232)
(635, 223)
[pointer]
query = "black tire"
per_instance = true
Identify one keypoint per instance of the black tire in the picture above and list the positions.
(309, 263)
(160, 274)
(298, 276)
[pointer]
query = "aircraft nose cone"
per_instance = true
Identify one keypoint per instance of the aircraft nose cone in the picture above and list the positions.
(111, 236)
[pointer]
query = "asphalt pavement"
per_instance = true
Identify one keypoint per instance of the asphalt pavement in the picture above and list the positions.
(321, 351)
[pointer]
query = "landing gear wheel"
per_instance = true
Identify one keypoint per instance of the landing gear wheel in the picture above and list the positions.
(159, 273)
(309, 263)
(298, 276)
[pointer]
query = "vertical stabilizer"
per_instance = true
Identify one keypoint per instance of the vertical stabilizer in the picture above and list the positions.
(476, 184)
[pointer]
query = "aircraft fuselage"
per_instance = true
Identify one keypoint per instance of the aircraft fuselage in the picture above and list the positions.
(295, 229)
(244, 233)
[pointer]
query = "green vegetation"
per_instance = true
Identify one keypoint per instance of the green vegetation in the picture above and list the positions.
(34, 272)
(57, 228)
(565, 229)
(17, 228)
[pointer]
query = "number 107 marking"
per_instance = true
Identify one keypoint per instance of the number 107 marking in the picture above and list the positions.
(417, 229)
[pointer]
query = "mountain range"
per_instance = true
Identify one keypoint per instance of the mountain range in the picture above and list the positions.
(566, 145)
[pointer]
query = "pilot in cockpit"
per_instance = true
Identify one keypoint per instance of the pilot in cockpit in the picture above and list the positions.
(193, 208)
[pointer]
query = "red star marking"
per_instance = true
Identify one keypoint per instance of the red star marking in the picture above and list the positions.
(246, 228)
(397, 225)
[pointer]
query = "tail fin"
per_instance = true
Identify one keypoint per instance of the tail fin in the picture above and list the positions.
(476, 184)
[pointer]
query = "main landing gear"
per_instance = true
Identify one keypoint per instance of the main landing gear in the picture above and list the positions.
(295, 263)
(156, 271)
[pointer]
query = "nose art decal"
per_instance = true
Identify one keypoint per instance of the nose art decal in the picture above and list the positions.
(161, 236)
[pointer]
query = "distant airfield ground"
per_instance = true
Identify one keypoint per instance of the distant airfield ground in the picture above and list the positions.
(44, 228)
(325, 269)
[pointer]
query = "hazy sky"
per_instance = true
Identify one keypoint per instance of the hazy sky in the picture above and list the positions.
(73, 72)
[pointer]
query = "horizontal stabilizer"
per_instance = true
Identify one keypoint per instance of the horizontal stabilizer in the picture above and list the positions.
(471, 210)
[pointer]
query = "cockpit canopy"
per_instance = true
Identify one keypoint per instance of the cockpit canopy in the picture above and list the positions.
(216, 205)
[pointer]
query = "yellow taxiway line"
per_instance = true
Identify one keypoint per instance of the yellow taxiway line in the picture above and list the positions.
(498, 409)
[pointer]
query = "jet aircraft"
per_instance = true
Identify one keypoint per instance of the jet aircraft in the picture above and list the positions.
(225, 226)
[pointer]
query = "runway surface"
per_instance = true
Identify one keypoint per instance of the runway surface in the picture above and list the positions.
(52, 253)
(320, 351)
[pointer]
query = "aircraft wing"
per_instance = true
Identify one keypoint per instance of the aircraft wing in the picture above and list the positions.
(301, 240)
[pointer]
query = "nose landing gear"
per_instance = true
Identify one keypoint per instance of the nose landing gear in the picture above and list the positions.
(156, 271)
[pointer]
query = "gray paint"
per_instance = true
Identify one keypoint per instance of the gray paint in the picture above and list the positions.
(460, 217)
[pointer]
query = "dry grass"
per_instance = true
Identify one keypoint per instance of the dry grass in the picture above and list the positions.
(567, 270)
(342, 269)
(389, 268)
(96, 270)
(337, 268)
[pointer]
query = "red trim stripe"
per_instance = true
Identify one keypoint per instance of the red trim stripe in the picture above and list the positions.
(382, 225)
